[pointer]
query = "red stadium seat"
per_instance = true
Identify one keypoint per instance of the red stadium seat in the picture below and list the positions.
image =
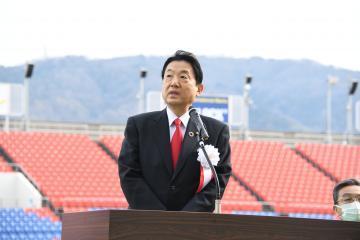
(4, 166)
(69, 169)
(342, 161)
(237, 198)
(281, 177)
(113, 143)
(75, 173)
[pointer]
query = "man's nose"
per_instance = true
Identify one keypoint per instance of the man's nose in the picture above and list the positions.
(174, 81)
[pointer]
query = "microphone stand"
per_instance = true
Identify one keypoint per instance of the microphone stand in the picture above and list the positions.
(217, 199)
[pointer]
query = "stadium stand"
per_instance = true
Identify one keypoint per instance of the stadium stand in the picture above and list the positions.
(21, 224)
(341, 161)
(113, 143)
(281, 177)
(71, 170)
(268, 168)
(43, 213)
(78, 174)
(4, 166)
(236, 197)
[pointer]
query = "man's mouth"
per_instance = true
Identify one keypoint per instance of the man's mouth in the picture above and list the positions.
(173, 93)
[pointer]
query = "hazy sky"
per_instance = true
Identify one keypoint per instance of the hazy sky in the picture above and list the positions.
(326, 31)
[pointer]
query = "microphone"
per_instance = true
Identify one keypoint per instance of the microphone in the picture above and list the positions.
(203, 135)
(195, 117)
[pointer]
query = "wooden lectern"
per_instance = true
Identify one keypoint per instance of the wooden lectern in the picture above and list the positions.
(158, 225)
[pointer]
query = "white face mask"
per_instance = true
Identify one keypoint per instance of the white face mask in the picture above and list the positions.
(350, 211)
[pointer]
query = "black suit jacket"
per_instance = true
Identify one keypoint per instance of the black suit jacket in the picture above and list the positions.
(145, 167)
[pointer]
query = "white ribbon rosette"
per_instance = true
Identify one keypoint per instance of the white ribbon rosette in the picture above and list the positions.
(213, 154)
(205, 170)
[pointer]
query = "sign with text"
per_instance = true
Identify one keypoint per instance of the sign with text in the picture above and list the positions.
(215, 107)
(227, 109)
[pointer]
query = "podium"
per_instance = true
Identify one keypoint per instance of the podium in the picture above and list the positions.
(161, 225)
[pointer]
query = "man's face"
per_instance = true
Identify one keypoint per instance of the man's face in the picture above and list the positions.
(179, 84)
(347, 195)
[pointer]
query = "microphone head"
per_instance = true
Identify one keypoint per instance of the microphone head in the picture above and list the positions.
(195, 117)
(192, 112)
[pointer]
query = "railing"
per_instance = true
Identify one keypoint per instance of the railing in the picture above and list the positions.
(95, 131)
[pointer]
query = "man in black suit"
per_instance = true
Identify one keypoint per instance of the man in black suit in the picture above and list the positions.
(158, 164)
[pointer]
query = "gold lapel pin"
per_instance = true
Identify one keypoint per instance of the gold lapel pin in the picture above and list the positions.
(191, 134)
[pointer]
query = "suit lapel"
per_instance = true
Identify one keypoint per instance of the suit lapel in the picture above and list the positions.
(163, 139)
(189, 145)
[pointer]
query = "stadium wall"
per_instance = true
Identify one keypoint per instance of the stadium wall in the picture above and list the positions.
(17, 192)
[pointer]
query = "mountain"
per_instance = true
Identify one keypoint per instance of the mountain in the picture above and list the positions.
(288, 95)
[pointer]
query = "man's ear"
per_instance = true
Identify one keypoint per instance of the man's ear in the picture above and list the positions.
(200, 89)
(337, 209)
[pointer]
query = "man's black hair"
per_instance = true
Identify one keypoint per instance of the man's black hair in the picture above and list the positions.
(188, 57)
(342, 184)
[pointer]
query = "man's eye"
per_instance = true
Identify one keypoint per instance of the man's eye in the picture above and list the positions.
(184, 77)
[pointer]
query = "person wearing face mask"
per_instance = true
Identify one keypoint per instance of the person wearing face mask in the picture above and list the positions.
(346, 196)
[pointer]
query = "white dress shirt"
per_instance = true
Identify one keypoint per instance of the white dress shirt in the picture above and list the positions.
(184, 121)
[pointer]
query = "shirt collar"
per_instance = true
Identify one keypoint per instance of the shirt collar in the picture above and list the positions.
(172, 116)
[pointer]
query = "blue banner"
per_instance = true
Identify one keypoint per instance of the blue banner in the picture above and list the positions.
(211, 106)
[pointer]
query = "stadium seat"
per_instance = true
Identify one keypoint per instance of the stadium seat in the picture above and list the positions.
(4, 166)
(237, 198)
(341, 161)
(113, 143)
(71, 170)
(281, 177)
(77, 175)
(28, 224)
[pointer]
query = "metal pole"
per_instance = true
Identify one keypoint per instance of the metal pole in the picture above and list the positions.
(214, 174)
(246, 107)
(28, 73)
(141, 93)
(26, 103)
(242, 126)
(331, 82)
(7, 123)
(349, 120)
(328, 114)
(246, 113)
(141, 96)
